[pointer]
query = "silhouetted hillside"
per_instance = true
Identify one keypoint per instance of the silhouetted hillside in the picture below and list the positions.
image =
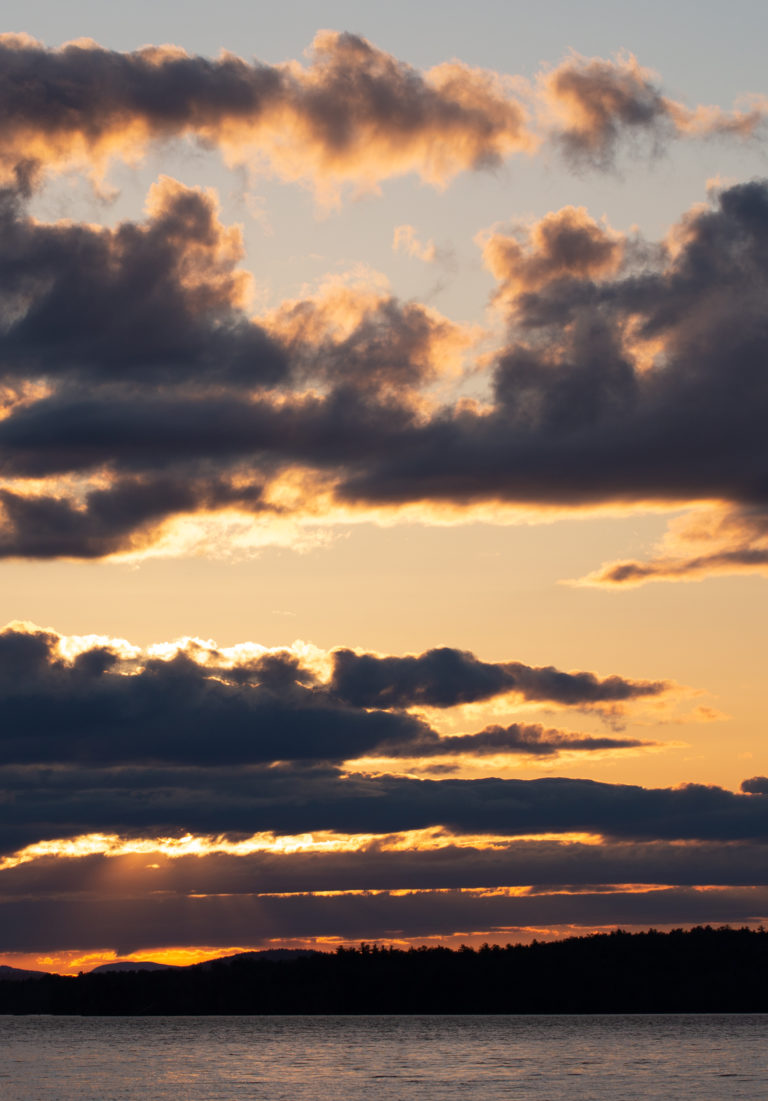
(702, 970)
(131, 965)
(19, 974)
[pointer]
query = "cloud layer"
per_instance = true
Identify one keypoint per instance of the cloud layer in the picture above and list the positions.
(196, 709)
(353, 113)
(632, 373)
(244, 759)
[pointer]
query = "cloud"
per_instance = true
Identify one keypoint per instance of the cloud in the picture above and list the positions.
(598, 104)
(447, 677)
(517, 738)
(354, 113)
(190, 709)
(625, 388)
(703, 543)
(541, 865)
(565, 244)
(129, 924)
(757, 785)
(631, 375)
(68, 800)
(158, 303)
(101, 737)
(407, 240)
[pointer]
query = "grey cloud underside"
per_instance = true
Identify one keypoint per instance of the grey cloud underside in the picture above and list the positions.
(127, 925)
(540, 865)
(756, 785)
(350, 95)
(574, 420)
(242, 882)
(183, 713)
(47, 803)
(445, 677)
(84, 89)
(352, 103)
(178, 746)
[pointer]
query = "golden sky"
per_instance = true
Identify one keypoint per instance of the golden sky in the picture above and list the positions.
(383, 500)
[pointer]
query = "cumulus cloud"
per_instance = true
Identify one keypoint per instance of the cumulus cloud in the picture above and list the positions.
(757, 785)
(599, 103)
(137, 340)
(627, 387)
(566, 244)
(190, 709)
(155, 303)
(446, 677)
(353, 112)
(631, 374)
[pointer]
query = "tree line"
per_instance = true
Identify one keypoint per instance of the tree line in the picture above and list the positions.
(705, 969)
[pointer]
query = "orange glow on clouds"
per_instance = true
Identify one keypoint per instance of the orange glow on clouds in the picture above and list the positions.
(321, 841)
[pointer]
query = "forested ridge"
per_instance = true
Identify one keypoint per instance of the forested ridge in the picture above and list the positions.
(700, 970)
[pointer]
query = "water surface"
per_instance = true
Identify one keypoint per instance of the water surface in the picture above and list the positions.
(542, 1058)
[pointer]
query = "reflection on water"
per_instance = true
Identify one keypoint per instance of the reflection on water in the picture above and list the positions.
(698, 1058)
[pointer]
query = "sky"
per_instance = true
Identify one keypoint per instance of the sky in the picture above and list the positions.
(383, 474)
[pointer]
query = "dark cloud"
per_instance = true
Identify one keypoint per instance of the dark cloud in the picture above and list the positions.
(100, 711)
(603, 104)
(446, 677)
(757, 785)
(517, 738)
(541, 865)
(645, 385)
(603, 101)
(157, 309)
(354, 112)
(175, 712)
(631, 374)
(47, 802)
(145, 304)
(124, 517)
(636, 572)
(127, 925)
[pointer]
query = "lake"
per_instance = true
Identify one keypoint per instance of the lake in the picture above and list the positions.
(590, 1058)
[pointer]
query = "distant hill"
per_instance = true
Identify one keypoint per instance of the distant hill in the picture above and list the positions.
(132, 965)
(18, 974)
(149, 965)
(261, 954)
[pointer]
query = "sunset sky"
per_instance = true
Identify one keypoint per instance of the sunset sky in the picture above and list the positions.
(384, 485)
